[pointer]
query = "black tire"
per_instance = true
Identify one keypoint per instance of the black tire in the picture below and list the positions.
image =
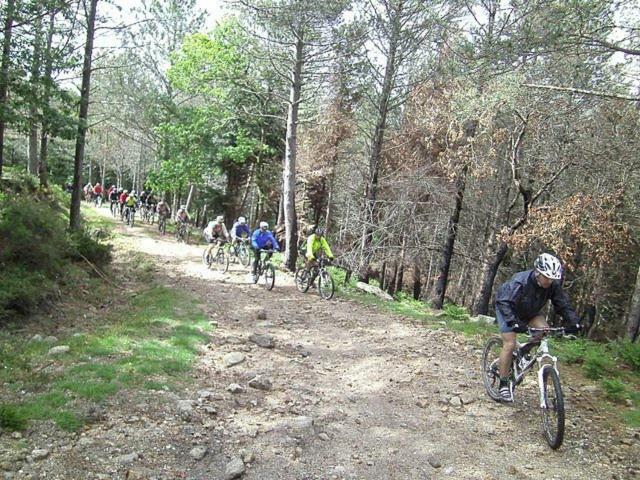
(221, 261)
(207, 258)
(490, 361)
(553, 414)
(132, 217)
(269, 277)
(243, 255)
(325, 285)
(302, 280)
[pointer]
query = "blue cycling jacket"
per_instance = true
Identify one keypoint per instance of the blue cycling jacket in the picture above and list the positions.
(521, 298)
(261, 239)
(238, 230)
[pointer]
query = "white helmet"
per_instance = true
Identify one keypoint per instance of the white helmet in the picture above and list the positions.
(219, 219)
(264, 225)
(242, 220)
(183, 207)
(549, 266)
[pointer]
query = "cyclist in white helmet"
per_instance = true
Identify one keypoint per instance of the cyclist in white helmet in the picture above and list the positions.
(519, 303)
(215, 232)
(262, 239)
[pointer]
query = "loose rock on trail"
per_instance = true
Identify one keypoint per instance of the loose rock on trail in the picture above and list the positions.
(295, 387)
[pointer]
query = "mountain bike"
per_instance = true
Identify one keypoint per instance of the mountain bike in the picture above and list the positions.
(115, 208)
(182, 232)
(144, 213)
(240, 252)
(305, 277)
(215, 257)
(97, 201)
(151, 214)
(130, 215)
(525, 356)
(162, 224)
(266, 269)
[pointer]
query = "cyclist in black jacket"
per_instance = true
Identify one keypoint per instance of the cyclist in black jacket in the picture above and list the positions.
(519, 303)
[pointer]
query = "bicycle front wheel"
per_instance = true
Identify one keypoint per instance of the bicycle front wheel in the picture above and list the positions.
(243, 254)
(553, 408)
(490, 367)
(302, 280)
(325, 285)
(269, 277)
(221, 261)
(207, 258)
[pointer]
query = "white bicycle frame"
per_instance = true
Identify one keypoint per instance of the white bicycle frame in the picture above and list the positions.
(544, 348)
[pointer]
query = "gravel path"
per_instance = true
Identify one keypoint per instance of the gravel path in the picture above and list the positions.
(325, 390)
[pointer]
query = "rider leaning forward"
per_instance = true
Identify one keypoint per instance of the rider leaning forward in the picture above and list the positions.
(519, 303)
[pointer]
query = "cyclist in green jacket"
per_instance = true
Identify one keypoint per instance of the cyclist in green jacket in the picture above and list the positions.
(316, 243)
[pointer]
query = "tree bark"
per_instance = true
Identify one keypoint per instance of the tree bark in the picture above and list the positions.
(417, 285)
(489, 272)
(633, 321)
(32, 165)
(74, 215)
(46, 99)
(4, 74)
(190, 195)
(289, 171)
(452, 232)
(371, 189)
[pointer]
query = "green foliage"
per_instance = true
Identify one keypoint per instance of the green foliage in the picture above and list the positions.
(597, 363)
(149, 343)
(12, 417)
(36, 249)
(572, 351)
(629, 353)
(614, 389)
(456, 312)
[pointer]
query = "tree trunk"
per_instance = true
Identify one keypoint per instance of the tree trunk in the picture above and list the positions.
(190, 196)
(633, 321)
(391, 283)
(46, 99)
(4, 74)
(289, 171)
(489, 272)
(74, 216)
(417, 286)
(383, 275)
(452, 232)
(32, 165)
(399, 279)
(371, 188)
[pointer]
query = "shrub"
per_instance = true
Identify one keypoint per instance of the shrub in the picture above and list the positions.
(12, 418)
(82, 245)
(596, 362)
(629, 353)
(456, 312)
(573, 351)
(614, 389)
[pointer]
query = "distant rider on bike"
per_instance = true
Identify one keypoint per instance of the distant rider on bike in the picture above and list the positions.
(215, 231)
(262, 238)
(519, 303)
(163, 210)
(181, 215)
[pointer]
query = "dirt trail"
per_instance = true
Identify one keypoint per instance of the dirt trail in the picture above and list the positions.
(346, 391)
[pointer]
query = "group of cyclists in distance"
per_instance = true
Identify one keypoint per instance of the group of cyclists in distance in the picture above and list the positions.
(262, 239)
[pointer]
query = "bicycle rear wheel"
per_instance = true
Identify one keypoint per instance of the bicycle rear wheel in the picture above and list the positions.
(553, 409)
(325, 285)
(490, 362)
(302, 280)
(269, 277)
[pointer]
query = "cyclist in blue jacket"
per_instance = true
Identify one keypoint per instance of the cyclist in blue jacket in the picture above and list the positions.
(519, 303)
(262, 238)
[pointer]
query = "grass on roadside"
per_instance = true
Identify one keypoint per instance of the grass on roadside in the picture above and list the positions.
(148, 344)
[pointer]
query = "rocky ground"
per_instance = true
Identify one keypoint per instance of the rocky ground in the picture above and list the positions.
(295, 387)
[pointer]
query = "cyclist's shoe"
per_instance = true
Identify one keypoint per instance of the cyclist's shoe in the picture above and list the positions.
(506, 395)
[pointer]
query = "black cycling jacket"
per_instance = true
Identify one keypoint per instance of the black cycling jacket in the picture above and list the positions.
(521, 298)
